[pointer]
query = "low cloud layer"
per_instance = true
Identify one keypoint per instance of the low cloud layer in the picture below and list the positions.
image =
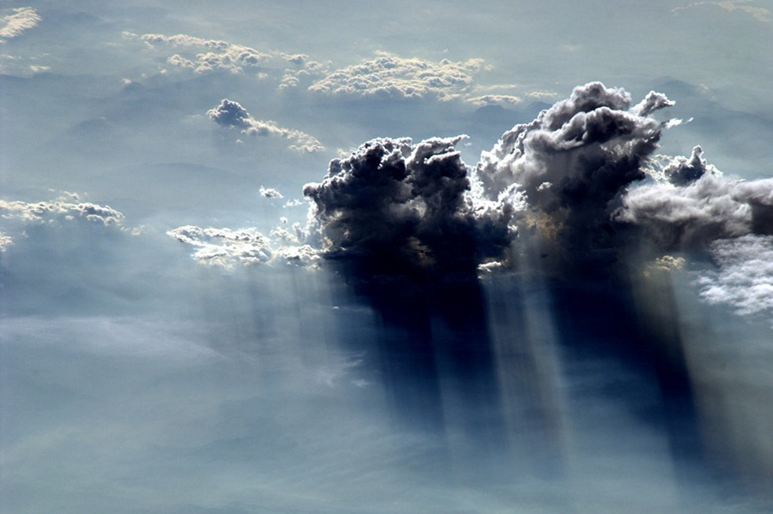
(744, 278)
(504, 101)
(231, 114)
(66, 208)
(224, 247)
(390, 76)
(757, 12)
(202, 56)
(17, 22)
(17, 216)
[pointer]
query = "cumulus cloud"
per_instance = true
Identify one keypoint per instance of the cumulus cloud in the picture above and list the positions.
(270, 192)
(15, 24)
(575, 160)
(66, 208)
(226, 247)
(16, 216)
(393, 206)
(231, 114)
(583, 177)
(202, 56)
(693, 213)
(682, 171)
(744, 275)
(389, 76)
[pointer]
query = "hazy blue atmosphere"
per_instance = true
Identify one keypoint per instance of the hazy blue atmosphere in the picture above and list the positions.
(555, 297)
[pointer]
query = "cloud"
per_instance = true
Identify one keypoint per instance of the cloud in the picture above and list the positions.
(15, 24)
(17, 217)
(761, 14)
(574, 161)
(226, 247)
(389, 76)
(504, 101)
(270, 192)
(5, 242)
(203, 56)
(231, 114)
(694, 213)
(744, 278)
(295, 202)
(583, 178)
(393, 206)
(66, 208)
(682, 171)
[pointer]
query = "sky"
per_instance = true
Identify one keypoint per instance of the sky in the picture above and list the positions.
(333, 256)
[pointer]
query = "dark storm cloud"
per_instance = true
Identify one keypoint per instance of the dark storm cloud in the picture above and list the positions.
(583, 179)
(575, 160)
(393, 205)
(682, 171)
(701, 211)
(582, 165)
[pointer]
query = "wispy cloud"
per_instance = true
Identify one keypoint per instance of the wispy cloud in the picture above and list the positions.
(761, 14)
(15, 24)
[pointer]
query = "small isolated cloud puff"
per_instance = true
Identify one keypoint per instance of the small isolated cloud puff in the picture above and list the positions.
(270, 193)
(226, 247)
(5, 242)
(393, 206)
(390, 76)
(232, 115)
(744, 278)
(504, 101)
(15, 24)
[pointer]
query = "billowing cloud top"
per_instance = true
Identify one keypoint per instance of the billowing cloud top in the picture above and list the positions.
(396, 206)
(17, 22)
(583, 179)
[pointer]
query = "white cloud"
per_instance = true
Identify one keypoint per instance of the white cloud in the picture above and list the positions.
(15, 24)
(5, 242)
(231, 114)
(66, 208)
(202, 56)
(761, 14)
(744, 278)
(270, 192)
(225, 247)
(504, 101)
(388, 75)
